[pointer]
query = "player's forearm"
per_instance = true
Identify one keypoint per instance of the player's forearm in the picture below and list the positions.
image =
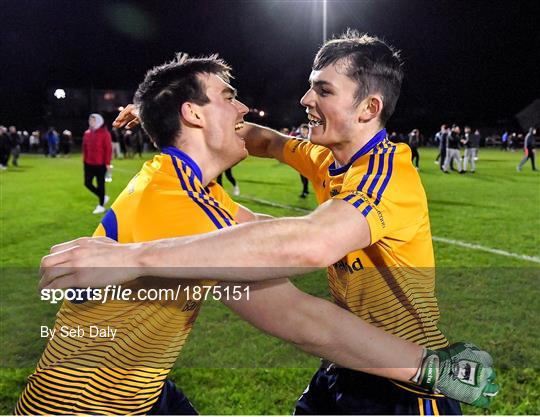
(326, 330)
(260, 140)
(323, 329)
(249, 252)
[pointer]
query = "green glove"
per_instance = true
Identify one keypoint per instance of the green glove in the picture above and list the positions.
(460, 371)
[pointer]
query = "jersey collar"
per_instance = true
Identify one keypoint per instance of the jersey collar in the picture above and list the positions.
(374, 141)
(171, 150)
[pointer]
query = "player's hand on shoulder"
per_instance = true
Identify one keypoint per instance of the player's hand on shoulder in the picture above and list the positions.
(128, 118)
(461, 371)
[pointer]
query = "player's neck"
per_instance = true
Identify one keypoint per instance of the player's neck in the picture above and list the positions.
(345, 149)
(209, 166)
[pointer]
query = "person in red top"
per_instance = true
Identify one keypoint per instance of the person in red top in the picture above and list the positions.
(97, 152)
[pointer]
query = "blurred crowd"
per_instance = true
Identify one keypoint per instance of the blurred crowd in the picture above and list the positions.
(126, 143)
(458, 149)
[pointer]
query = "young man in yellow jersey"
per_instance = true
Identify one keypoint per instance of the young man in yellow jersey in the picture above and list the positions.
(371, 230)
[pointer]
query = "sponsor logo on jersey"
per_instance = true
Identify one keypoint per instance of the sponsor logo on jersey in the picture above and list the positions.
(356, 265)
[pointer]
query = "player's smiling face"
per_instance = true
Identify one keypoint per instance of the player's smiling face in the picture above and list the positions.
(225, 116)
(330, 105)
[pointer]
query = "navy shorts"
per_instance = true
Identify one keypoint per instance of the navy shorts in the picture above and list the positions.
(342, 391)
(172, 401)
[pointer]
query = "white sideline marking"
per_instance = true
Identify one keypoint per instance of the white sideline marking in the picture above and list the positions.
(487, 249)
(467, 245)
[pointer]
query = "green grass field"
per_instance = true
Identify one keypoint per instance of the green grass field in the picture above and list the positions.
(228, 367)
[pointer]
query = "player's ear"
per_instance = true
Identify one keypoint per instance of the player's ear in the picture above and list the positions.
(370, 108)
(191, 114)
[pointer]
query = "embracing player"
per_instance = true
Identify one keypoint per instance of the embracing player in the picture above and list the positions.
(371, 230)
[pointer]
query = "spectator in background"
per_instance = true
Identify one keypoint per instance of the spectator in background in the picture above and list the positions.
(137, 142)
(128, 143)
(5, 148)
(504, 141)
(304, 135)
(97, 152)
(477, 140)
(519, 141)
(16, 141)
(116, 148)
(34, 141)
(44, 144)
(66, 140)
(470, 142)
(512, 141)
(52, 142)
(414, 143)
(529, 145)
(394, 137)
(122, 141)
(452, 150)
(25, 147)
(232, 180)
(441, 138)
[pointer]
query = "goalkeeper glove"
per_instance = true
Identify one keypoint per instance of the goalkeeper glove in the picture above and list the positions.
(460, 371)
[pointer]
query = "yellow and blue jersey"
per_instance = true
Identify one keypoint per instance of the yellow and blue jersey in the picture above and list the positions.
(98, 375)
(390, 283)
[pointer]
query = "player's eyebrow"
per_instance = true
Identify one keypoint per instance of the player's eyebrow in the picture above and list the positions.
(320, 83)
(229, 90)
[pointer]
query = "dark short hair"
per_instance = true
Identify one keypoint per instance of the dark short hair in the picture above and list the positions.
(167, 87)
(371, 62)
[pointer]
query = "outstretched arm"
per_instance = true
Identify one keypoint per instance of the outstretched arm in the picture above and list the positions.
(260, 141)
(253, 251)
(323, 329)
(264, 142)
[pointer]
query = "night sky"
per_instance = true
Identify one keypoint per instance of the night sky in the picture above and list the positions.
(470, 61)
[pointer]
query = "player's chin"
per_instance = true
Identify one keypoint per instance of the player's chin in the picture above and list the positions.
(240, 154)
(241, 142)
(244, 154)
(318, 137)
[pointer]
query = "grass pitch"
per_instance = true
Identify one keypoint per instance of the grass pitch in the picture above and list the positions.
(229, 368)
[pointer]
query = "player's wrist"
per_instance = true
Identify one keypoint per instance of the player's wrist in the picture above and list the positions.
(139, 259)
(427, 373)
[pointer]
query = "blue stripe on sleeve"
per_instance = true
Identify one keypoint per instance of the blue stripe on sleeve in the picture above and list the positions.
(388, 175)
(368, 172)
(379, 173)
(110, 224)
(366, 211)
(358, 202)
